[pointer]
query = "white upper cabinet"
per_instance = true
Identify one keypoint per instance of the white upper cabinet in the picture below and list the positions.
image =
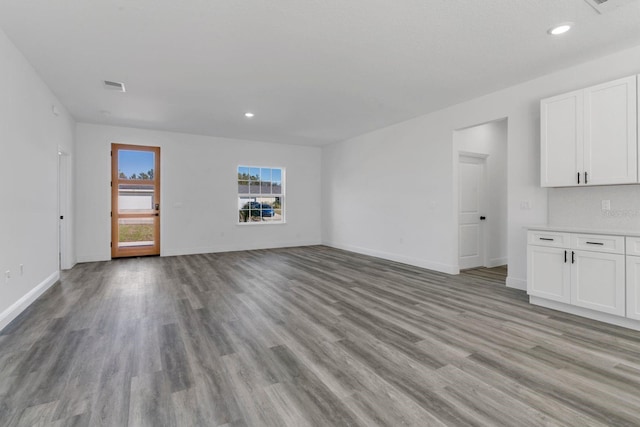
(589, 136)
(610, 142)
(562, 139)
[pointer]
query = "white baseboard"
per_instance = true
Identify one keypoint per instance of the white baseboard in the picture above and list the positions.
(93, 258)
(19, 306)
(585, 312)
(515, 283)
(497, 262)
(233, 248)
(429, 265)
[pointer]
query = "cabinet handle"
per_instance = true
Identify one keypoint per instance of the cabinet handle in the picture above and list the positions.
(546, 238)
(578, 177)
(585, 178)
(573, 257)
(595, 243)
(565, 257)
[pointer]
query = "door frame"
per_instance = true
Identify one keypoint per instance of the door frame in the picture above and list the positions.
(454, 251)
(134, 251)
(483, 228)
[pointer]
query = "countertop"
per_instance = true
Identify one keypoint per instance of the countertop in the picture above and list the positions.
(584, 230)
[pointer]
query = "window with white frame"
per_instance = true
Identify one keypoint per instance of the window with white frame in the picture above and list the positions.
(260, 195)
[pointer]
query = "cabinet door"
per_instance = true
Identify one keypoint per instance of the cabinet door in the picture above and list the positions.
(610, 144)
(598, 282)
(561, 139)
(633, 287)
(548, 273)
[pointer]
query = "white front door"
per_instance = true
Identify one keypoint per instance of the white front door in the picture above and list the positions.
(471, 193)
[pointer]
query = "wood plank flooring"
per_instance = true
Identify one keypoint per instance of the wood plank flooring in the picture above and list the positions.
(308, 336)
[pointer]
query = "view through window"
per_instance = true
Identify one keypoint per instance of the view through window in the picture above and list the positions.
(260, 194)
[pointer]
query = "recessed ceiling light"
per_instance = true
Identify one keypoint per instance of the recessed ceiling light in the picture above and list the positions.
(560, 29)
(249, 115)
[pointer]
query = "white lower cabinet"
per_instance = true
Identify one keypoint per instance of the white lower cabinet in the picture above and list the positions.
(633, 287)
(548, 274)
(593, 279)
(598, 281)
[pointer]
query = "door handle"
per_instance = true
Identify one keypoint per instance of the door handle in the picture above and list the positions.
(157, 206)
(585, 178)
(482, 218)
(573, 257)
(578, 177)
(565, 257)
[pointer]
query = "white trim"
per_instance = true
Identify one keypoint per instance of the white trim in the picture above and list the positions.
(515, 283)
(250, 223)
(234, 248)
(497, 262)
(19, 306)
(93, 258)
(585, 312)
(429, 265)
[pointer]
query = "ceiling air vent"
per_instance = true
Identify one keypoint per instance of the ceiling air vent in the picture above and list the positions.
(117, 86)
(604, 6)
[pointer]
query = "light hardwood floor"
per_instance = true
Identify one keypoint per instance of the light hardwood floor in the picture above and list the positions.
(307, 336)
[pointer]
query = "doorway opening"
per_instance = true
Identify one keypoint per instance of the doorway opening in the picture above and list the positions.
(480, 187)
(135, 200)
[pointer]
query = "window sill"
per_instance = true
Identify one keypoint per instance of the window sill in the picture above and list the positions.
(254, 223)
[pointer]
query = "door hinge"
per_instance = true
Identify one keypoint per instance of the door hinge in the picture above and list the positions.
(111, 214)
(111, 153)
(110, 244)
(111, 183)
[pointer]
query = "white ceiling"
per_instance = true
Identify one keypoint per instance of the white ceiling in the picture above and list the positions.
(313, 71)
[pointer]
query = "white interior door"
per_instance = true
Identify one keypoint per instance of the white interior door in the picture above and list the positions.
(63, 214)
(471, 243)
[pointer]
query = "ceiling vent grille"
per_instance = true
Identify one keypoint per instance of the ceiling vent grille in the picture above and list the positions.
(604, 6)
(117, 86)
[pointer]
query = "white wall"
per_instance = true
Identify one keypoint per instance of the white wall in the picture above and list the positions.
(489, 139)
(198, 192)
(367, 179)
(30, 135)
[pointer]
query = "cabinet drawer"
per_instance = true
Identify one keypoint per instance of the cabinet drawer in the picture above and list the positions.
(552, 239)
(598, 243)
(633, 246)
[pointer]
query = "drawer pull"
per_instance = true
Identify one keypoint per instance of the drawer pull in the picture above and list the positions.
(546, 238)
(595, 243)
